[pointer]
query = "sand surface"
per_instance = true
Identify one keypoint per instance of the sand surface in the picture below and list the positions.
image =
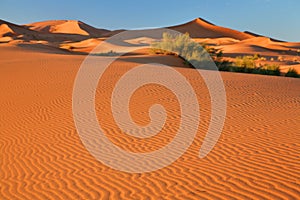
(42, 156)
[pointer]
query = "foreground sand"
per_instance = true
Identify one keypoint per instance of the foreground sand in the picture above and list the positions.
(42, 157)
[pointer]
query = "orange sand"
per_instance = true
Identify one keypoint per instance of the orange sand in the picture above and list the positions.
(42, 157)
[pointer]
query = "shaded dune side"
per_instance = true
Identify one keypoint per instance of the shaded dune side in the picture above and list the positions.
(258, 35)
(15, 29)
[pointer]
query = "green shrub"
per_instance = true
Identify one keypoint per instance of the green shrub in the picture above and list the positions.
(192, 53)
(292, 73)
(273, 70)
(224, 65)
(182, 46)
(246, 61)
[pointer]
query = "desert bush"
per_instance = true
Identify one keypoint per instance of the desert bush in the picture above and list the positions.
(246, 61)
(292, 73)
(182, 46)
(216, 54)
(273, 70)
(224, 65)
(249, 68)
(247, 64)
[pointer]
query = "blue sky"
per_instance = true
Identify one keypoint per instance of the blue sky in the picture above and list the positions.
(276, 18)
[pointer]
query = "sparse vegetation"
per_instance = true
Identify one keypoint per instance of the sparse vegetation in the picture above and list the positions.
(190, 51)
(109, 53)
(265, 69)
(249, 64)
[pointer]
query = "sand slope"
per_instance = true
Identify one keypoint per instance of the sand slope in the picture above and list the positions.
(42, 157)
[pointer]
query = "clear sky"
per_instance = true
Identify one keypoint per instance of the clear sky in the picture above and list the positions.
(279, 19)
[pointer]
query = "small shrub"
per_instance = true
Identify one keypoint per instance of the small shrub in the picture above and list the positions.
(109, 53)
(224, 65)
(273, 70)
(280, 58)
(263, 58)
(246, 61)
(292, 73)
(181, 45)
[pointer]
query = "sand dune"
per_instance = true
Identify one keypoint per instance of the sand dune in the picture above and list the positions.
(42, 156)
(83, 46)
(263, 46)
(76, 36)
(24, 34)
(200, 28)
(13, 30)
(66, 26)
(5, 30)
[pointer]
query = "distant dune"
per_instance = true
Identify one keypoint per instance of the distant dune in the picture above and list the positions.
(15, 31)
(79, 37)
(200, 28)
(5, 30)
(261, 45)
(66, 26)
